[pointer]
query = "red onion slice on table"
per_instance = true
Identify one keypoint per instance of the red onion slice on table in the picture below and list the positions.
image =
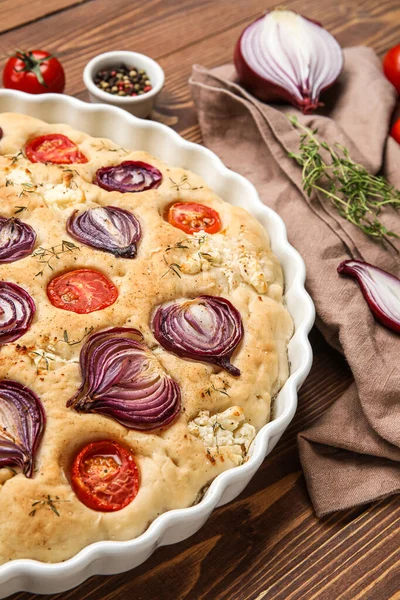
(380, 289)
(208, 328)
(284, 56)
(129, 176)
(122, 379)
(107, 228)
(17, 240)
(22, 421)
(17, 309)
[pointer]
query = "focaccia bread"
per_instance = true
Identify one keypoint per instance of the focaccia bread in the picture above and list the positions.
(41, 517)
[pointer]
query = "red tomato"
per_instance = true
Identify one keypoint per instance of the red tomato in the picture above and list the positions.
(391, 66)
(35, 72)
(191, 217)
(54, 148)
(82, 291)
(395, 131)
(105, 476)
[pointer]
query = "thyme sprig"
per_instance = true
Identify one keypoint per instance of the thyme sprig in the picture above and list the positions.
(178, 246)
(49, 501)
(15, 157)
(172, 268)
(73, 172)
(102, 146)
(66, 339)
(24, 192)
(41, 357)
(21, 209)
(330, 172)
(27, 188)
(183, 244)
(183, 184)
(212, 389)
(208, 257)
(46, 255)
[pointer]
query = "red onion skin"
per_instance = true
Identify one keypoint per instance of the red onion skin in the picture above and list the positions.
(140, 165)
(164, 337)
(253, 82)
(8, 335)
(113, 402)
(8, 255)
(12, 454)
(268, 91)
(129, 251)
(348, 268)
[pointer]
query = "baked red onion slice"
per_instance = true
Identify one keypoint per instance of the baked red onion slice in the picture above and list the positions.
(17, 309)
(124, 380)
(107, 228)
(284, 56)
(17, 240)
(22, 421)
(380, 289)
(208, 329)
(129, 176)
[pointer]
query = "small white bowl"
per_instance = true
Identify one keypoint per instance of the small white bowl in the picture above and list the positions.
(140, 106)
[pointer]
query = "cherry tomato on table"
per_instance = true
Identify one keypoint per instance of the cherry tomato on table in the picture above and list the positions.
(54, 148)
(395, 131)
(105, 476)
(391, 66)
(192, 217)
(34, 72)
(82, 291)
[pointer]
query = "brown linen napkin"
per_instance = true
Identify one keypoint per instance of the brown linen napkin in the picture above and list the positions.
(351, 455)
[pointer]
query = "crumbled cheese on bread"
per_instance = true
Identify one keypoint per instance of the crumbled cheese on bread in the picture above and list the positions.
(62, 196)
(19, 176)
(239, 264)
(226, 429)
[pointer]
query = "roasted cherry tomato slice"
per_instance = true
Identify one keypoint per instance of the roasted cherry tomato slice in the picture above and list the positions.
(191, 217)
(82, 291)
(54, 148)
(105, 476)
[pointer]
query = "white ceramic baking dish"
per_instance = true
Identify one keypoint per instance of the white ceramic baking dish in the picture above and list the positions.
(176, 525)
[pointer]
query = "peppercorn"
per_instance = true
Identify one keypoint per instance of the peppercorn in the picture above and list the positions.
(123, 81)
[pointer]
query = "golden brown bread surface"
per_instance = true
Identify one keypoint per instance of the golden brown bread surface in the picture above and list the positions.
(174, 463)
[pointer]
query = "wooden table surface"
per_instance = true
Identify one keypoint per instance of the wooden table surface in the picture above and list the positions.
(266, 544)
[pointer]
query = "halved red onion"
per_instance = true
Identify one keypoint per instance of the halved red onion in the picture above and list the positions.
(107, 228)
(124, 380)
(17, 240)
(380, 289)
(208, 328)
(129, 176)
(284, 56)
(17, 309)
(22, 421)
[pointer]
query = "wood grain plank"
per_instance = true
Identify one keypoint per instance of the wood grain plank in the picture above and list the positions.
(14, 13)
